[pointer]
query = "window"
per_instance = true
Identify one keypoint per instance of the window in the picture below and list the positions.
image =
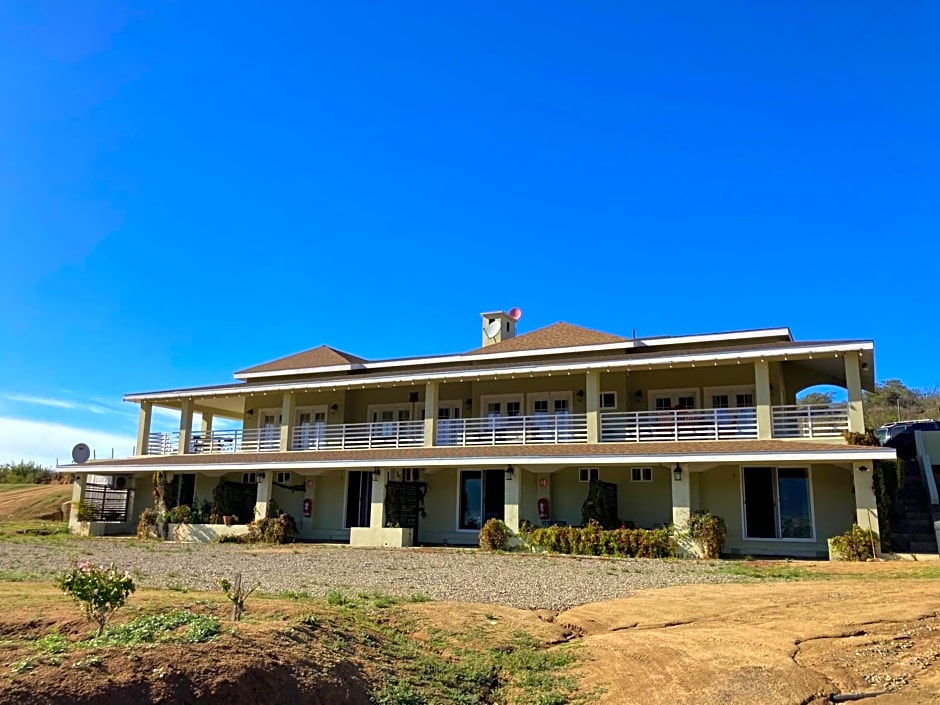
(411, 474)
(777, 503)
(642, 474)
(588, 475)
(608, 400)
(282, 478)
(249, 478)
(482, 497)
(669, 399)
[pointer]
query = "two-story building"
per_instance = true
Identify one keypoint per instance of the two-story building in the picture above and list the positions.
(426, 449)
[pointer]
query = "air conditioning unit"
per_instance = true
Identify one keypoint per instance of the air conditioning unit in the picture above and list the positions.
(123, 482)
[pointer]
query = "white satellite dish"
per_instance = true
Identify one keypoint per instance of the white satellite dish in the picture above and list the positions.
(81, 453)
(492, 329)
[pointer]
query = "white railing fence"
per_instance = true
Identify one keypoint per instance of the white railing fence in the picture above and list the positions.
(163, 443)
(358, 436)
(679, 425)
(513, 430)
(810, 421)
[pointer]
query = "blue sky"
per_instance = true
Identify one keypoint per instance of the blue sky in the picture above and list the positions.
(190, 188)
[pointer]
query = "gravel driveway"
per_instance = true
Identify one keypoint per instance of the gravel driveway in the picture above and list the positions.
(526, 581)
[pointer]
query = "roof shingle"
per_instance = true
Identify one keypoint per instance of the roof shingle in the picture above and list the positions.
(557, 335)
(322, 356)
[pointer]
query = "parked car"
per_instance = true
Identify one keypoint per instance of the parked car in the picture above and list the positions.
(900, 435)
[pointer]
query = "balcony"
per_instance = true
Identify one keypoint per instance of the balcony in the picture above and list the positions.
(810, 421)
(513, 430)
(251, 440)
(679, 425)
(358, 436)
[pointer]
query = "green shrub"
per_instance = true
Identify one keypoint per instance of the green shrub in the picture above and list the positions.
(855, 544)
(597, 507)
(495, 536)
(276, 529)
(179, 515)
(100, 591)
(710, 531)
(148, 519)
(592, 540)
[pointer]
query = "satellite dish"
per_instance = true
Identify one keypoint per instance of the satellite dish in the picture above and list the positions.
(81, 453)
(515, 313)
(492, 329)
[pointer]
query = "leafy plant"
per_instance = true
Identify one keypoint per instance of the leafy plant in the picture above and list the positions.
(100, 591)
(277, 529)
(148, 519)
(160, 629)
(179, 515)
(710, 530)
(237, 594)
(495, 536)
(856, 544)
(592, 540)
(598, 508)
(84, 512)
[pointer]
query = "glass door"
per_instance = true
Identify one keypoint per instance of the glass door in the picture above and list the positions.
(358, 498)
(270, 430)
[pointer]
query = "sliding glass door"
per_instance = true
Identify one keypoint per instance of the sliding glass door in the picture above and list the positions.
(777, 503)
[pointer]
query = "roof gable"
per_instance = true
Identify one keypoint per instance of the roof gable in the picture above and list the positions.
(557, 335)
(322, 356)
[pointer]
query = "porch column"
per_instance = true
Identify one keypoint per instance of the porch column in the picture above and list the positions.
(762, 397)
(592, 398)
(186, 425)
(206, 424)
(866, 506)
(263, 494)
(513, 498)
(430, 411)
(377, 508)
(681, 499)
(287, 420)
(143, 426)
(78, 495)
(853, 385)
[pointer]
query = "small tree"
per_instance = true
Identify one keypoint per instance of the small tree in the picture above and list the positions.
(100, 591)
(237, 594)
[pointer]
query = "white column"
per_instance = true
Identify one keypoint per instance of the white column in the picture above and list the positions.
(430, 412)
(186, 425)
(143, 427)
(287, 420)
(263, 495)
(592, 397)
(206, 425)
(853, 385)
(866, 506)
(377, 507)
(762, 398)
(681, 499)
(78, 495)
(513, 499)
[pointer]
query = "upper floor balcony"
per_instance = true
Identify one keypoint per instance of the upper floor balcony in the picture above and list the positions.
(828, 421)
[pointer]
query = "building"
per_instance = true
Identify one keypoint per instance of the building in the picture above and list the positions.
(424, 450)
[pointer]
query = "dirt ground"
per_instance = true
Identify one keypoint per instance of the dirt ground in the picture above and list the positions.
(33, 501)
(868, 627)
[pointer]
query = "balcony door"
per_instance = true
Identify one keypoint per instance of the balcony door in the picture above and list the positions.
(448, 422)
(669, 399)
(309, 428)
(545, 405)
(269, 430)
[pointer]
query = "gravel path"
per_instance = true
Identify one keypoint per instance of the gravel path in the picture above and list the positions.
(527, 581)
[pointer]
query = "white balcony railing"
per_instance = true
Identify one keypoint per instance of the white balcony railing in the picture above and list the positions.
(679, 425)
(810, 421)
(163, 443)
(513, 430)
(358, 436)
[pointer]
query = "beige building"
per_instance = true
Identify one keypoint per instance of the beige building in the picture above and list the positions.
(425, 450)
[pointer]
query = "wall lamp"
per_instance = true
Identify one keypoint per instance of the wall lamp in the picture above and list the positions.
(510, 473)
(863, 468)
(334, 407)
(677, 473)
(638, 394)
(250, 412)
(260, 475)
(580, 395)
(468, 403)
(376, 473)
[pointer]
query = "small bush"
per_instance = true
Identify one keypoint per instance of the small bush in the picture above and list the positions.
(495, 536)
(855, 544)
(592, 540)
(100, 591)
(278, 529)
(148, 519)
(710, 531)
(179, 515)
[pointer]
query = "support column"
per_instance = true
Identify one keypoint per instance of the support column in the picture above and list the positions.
(762, 398)
(866, 506)
(592, 399)
(186, 425)
(78, 496)
(681, 499)
(287, 420)
(206, 425)
(513, 499)
(377, 507)
(263, 494)
(143, 427)
(430, 412)
(853, 385)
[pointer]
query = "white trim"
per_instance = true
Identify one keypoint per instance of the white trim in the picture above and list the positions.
(756, 458)
(709, 392)
(529, 370)
(486, 399)
(446, 359)
(812, 504)
(677, 392)
(549, 397)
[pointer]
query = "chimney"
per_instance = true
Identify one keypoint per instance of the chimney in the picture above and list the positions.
(497, 327)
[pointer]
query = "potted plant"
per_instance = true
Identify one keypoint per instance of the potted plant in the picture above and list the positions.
(229, 519)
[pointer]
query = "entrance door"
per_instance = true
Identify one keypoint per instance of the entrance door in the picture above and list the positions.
(448, 424)
(309, 430)
(760, 506)
(358, 498)
(482, 497)
(269, 436)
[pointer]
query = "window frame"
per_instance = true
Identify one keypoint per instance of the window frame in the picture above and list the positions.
(279, 477)
(595, 472)
(600, 401)
(482, 471)
(645, 475)
(776, 487)
(694, 392)
(249, 478)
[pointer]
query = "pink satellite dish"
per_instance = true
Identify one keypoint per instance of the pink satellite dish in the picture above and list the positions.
(515, 313)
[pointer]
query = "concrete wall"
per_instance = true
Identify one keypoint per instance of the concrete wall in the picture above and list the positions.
(329, 508)
(644, 503)
(932, 445)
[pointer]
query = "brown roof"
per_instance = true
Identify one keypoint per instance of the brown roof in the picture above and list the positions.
(557, 335)
(559, 451)
(323, 356)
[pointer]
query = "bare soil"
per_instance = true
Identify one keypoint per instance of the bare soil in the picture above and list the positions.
(20, 502)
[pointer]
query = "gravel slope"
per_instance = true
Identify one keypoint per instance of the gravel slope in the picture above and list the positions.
(526, 581)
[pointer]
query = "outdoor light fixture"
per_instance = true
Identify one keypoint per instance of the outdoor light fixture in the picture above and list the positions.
(260, 475)
(334, 407)
(580, 395)
(376, 473)
(250, 412)
(468, 403)
(638, 394)
(863, 468)
(510, 472)
(677, 472)
(864, 365)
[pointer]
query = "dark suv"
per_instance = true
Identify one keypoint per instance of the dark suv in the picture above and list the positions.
(900, 436)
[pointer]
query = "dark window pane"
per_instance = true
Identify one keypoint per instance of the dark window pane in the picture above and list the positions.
(759, 503)
(793, 490)
(471, 499)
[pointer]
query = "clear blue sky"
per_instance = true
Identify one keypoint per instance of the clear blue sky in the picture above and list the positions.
(190, 188)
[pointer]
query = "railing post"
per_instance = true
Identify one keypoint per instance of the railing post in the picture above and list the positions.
(675, 425)
(342, 438)
(809, 414)
(715, 424)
